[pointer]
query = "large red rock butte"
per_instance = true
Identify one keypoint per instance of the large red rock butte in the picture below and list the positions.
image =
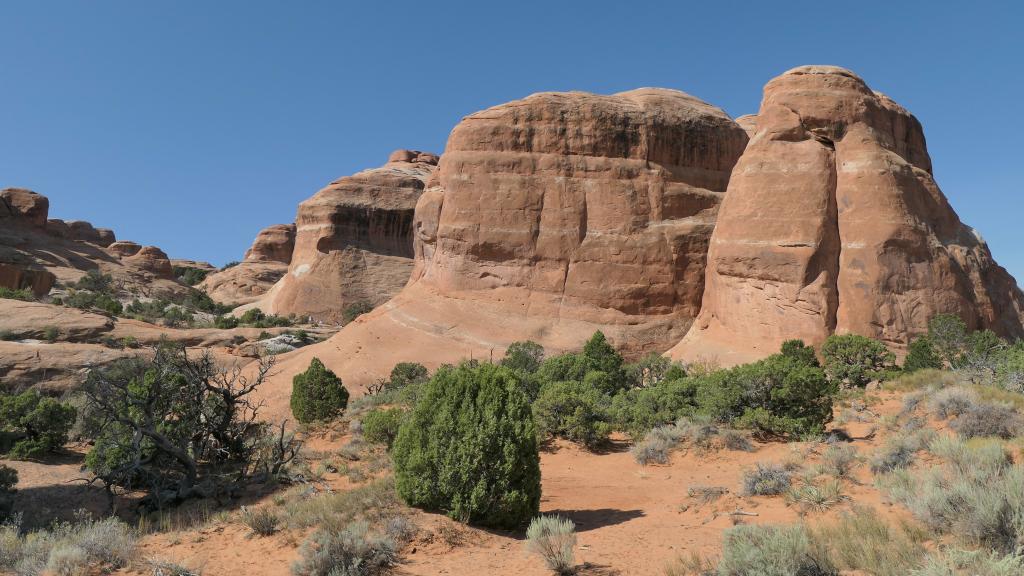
(549, 218)
(265, 262)
(833, 223)
(353, 241)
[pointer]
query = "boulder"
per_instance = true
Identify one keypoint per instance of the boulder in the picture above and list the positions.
(833, 223)
(273, 244)
(154, 260)
(124, 248)
(24, 205)
(57, 228)
(353, 241)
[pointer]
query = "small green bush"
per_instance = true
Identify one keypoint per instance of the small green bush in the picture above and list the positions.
(922, 355)
(554, 540)
(21, 294)
(381, 426)
(573, 410)
(526, 356)
(317, 394)
(839, 460)
(225, 322)
(8, 479)
(469, 448)
(355, 310)
(984, 420)
(189, 275)
(854, 360)
(407, 374)
(40, 424)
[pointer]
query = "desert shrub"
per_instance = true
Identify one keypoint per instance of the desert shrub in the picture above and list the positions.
(766, 480)
(598, 363)
(8, 479)
(640, 409)
(262, 521)
(956, 562)
(94, 281)
(400, 529)
(1010, 371)
(407, 374)
(897, 453)
(22, 294)
(526, 356)
(175, 316)
(948, 334)
(979, 497)
(374, 501)
(189, 275)
(381, 426)
(651, 370)
(317, 394)
(8, 336)
(602, 356)
(554, 540)
(853, 360)
(839, 460)
(922, 355)
(38, 424)
(736, 440)
(176, 427)
(657, 444)
(950, 402)
(349, 552)
(469, 448)
(86, 300)
(982, 420)
(797, 350)
(225, 322)
(770, 551)
(573, 410)
(355, 310)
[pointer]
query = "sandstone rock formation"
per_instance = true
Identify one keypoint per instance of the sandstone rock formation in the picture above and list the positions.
(549, 218)
(353, 241)
(833, 223)
(264, 264)
(36, 252)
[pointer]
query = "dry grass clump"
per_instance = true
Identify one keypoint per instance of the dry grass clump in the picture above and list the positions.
(706, 494)
(553, 539)
(68, 548)
(262, 521)
(657, 444)
(351, 551)
(813, 497)
(372, 501)
(976, 496)
(860, 540)
(900, 451)
(839, 460)
(988, 420)
(766, 480)
(736, 440)
(952, 402)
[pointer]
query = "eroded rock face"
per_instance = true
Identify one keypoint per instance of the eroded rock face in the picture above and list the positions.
(353, 241)
(19, 277)
(273, 244)
(123, 248)
(833, 223)
(24, 205)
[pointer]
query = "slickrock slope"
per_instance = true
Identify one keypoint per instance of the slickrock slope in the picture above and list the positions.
(265, 263)
(353, 241)
(551, 217)
(833, 223)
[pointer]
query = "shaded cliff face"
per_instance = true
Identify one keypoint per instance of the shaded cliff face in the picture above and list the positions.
(266, 261)
(353, 241)
(833, 223)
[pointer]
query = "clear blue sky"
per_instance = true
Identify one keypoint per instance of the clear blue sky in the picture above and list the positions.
(191, 125)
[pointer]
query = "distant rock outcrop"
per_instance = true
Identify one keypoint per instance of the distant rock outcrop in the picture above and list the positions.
(354, 241)
(833, 223)
(265, 263)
